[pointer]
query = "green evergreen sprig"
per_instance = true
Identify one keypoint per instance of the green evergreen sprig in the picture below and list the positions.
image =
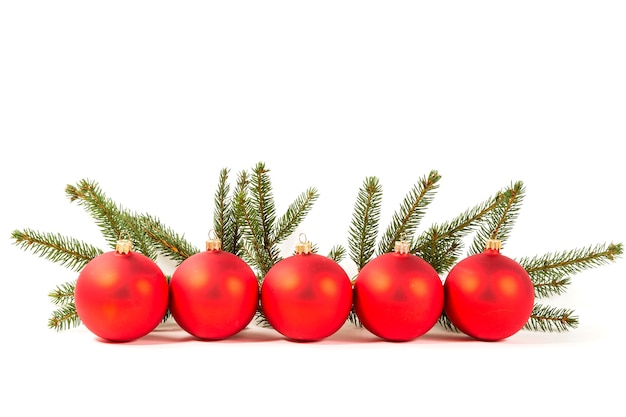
(64, 318)
(224, 219)
(551, 272)
(405, 221)
(551, 319)
(67, 251)
(255, 212)
(445, 323)
(112, 219)
(498, 222)
(337, 253)
(63, 294)
(363, 230)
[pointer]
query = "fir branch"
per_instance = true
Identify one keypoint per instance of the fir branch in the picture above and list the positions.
(337, 253)
(223, 222)
(253, 245)
(547, 286)
(228, 214)
(551, 319)
(64, 318)
(167, 242)
(364, 226)
(236, 232)
(296, 212)
(498, 223)
(112, 219)
(69, 252)
(572, 261)
(405, 221)
(260, 320)
(441, 245)
(354, 319)
(63, 294)
(103, 210)
(262, 199)
(445, 323)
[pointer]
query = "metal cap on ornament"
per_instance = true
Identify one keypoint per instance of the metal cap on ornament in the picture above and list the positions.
(493, 244)
(214, 243)
(124, 246)
(303, 246)
(402, 247)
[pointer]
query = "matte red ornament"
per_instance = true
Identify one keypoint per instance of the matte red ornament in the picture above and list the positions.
(488, 296)
(306, 297)
(213, 294)
(121, 295)
(398, 296)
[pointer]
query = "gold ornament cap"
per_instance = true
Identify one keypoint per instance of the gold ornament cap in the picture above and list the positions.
(124, 245)
(303, 246)
(402, 247)
(214, 243)
(493, 244)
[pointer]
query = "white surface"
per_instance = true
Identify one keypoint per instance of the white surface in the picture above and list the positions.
(152, 99)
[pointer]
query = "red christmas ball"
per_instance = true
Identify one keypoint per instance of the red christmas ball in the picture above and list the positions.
(398, 296)
(121, 295)
(488, 296)
(213, 294)
(306, 297)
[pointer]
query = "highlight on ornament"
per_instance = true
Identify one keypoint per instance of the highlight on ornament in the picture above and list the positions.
(408, 280)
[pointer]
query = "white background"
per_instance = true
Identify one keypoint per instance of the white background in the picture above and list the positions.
(152, 99)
